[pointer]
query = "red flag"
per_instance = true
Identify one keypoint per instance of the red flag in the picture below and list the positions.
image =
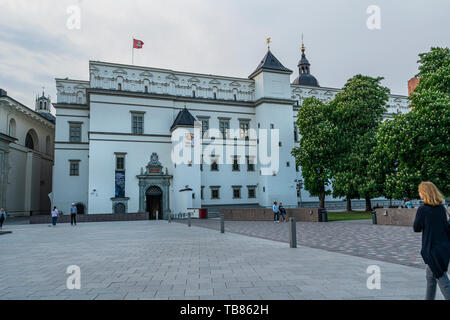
(137, 44)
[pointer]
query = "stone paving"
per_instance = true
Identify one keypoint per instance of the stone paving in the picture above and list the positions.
(358, 237)
(158, 260)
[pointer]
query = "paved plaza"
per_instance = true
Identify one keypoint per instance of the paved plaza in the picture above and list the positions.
(158, 260)
(355, 237)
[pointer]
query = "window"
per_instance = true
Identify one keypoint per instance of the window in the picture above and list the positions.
(119, 86)
(74, 168)
(215, 96)
(193, 93)
(202, 194)
(237, 192)
(288, 164)
(120, 162)
(12, 128)
(224, 126)
(75, 132)
(250, 164)
(236, 164)
(251, 192)
(29, 143)
(205, 126)
(235, 97)
(137, 123)
(272, 126)
(215, 194)
(146, 89)
(214, 166)
(244, 126)
(201, 163)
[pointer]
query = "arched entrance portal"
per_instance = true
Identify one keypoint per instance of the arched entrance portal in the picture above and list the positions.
(80, 208)
(154, 199)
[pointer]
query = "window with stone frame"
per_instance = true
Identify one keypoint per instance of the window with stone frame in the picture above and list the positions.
(215, 193)
(244, 126)
(74, 132)
(251, 192)
(250, 164)
(236, 192)
(205, 126)
(214, 165)
(202, 194)
(137, 123)
(224, 126)
(236, 163)
(74, 166)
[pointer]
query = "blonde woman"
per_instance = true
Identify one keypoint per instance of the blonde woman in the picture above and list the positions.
(431, 220)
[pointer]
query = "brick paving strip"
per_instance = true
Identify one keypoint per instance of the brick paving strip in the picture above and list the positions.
(357, 238)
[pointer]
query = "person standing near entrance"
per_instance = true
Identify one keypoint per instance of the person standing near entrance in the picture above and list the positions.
(54, 216)
(282, 212)
(431, 219)
(276, 213)
(73, 215)
(2, 217)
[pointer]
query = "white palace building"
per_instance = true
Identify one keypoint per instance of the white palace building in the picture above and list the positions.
(116, 132)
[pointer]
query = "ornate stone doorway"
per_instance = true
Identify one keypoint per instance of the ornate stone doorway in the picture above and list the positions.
(154, 199)
(154, 189)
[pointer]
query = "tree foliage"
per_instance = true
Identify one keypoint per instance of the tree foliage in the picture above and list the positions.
(358, 113)
(317, 149)
(418, 143)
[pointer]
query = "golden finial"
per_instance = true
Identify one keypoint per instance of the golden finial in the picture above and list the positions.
(268, 43)
(303, 45)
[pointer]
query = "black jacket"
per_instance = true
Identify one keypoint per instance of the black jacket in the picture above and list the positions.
(432, 221)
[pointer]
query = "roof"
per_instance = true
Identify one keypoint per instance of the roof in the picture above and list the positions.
(306, 79)
(47, 116)
(269, 62)
(184, 119)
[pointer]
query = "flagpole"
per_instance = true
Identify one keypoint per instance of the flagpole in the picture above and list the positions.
(132, 54)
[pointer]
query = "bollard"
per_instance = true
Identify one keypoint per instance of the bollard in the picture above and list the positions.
(170, 217)
(293, 233)
(189, 219)
(374, 217)
(222, 223)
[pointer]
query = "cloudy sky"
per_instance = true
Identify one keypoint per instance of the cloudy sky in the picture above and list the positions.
(225, 37)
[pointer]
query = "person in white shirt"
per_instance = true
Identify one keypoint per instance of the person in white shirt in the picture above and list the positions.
(54, 216)
(276, 213)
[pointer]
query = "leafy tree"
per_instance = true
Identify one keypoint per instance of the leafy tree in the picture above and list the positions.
(419, 141)
(358, 112)
(318, 146)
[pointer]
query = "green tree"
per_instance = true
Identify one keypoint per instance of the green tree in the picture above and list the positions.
(419, 141)
(358, 113)
(318, 146)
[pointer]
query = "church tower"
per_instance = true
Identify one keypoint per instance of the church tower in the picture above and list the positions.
(43, 103)
(305, 78)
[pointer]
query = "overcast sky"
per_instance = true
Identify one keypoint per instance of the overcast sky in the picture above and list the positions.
(224, 37)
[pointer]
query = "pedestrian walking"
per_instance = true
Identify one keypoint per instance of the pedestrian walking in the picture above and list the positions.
(2, 217)
(433, 221)
(282, 212)
(73, 215)
(276, 213)
(54, 216)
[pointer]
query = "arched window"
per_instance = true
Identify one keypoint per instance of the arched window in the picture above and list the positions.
(119, 87)
(29, 143)
(45, 105)
(31, 140)
(146, 89)
(40, 105)
(12, 128)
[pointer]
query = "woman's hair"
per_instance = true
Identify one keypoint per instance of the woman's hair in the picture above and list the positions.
(431, 194)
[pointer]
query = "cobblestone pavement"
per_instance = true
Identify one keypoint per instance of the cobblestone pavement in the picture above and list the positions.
(162, 261)
(358, 238)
